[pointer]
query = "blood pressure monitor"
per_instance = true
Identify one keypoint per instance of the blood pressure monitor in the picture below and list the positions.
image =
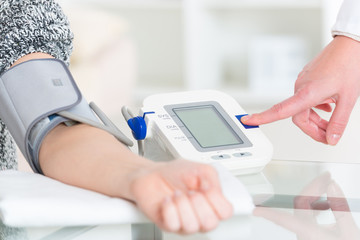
(205, 126)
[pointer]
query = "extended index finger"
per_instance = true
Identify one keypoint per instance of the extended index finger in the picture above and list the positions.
(299, 102)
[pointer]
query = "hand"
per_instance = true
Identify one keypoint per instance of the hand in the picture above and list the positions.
(307, 206)
(181, 196)
(332, 77)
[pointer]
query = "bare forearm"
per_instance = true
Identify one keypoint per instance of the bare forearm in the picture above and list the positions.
(90, 158)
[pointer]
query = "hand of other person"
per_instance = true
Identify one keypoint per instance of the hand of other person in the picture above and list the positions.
(332, 77)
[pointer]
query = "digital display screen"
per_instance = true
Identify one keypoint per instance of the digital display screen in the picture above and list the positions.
(207, 126)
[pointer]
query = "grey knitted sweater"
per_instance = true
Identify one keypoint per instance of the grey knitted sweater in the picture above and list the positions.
(28, 26)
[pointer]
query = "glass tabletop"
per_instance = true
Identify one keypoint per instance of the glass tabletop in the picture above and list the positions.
(305, 200)
(294, 200)
(283, 182)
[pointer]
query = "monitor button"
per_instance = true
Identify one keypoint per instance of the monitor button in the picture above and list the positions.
(242, 154)
(220, 157)
(245, 126)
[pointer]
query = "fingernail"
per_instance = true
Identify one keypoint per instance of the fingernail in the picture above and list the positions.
(333, 139)
(174, 223)
(245, 118)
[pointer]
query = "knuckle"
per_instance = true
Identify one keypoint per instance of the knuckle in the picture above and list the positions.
(305, 92)
(278, 109)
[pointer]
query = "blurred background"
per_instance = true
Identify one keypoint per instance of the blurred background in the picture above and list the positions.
(125, 50)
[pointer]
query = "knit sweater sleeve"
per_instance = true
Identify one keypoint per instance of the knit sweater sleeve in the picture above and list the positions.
(28, 26)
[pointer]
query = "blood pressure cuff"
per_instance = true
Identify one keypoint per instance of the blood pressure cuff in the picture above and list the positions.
(31, 93)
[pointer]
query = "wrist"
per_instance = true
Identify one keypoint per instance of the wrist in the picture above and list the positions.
(344, 39)
(347, 49)
(139, 170)
(142, 178)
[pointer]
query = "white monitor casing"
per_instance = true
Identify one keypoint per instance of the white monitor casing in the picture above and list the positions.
(163, 128)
